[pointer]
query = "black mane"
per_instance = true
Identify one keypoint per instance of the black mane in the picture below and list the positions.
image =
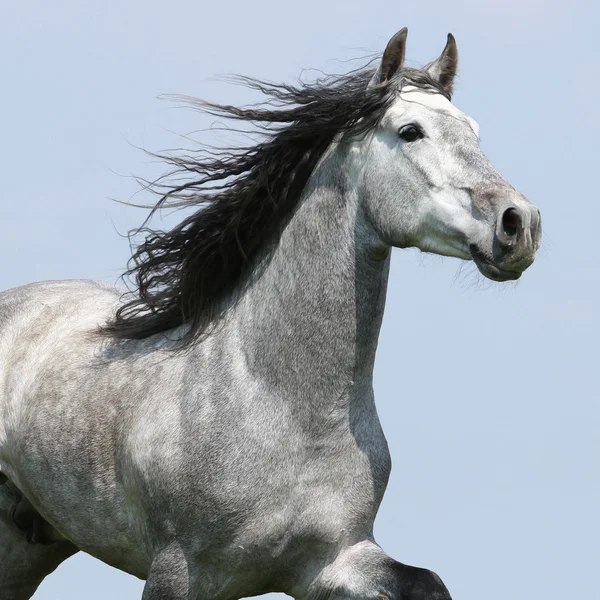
(243, 197)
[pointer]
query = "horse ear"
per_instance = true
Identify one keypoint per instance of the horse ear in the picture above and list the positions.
(393, 57)
(444, 68)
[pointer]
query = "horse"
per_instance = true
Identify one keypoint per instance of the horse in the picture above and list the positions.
(213, 430)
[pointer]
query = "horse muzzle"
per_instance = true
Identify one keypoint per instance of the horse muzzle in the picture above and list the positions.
(517, 237)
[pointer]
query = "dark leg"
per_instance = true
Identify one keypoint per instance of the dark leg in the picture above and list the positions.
(29, 521)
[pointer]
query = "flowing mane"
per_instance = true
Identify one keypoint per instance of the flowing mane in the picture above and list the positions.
(243, 196)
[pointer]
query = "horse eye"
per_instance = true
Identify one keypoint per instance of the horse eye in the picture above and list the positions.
(382, 597)
(410, 133)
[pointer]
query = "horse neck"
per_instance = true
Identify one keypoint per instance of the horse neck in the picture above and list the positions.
(309, 321)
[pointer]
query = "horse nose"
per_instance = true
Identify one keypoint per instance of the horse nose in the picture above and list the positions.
(518, 235)
(511, 222)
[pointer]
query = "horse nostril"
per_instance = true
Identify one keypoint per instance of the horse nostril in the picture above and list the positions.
(511, 221)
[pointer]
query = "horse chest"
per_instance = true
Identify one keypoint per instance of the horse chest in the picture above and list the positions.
(268, 482)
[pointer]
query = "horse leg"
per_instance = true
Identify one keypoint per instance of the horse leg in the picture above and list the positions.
(23, 565)
(30, 522)
(169, 577)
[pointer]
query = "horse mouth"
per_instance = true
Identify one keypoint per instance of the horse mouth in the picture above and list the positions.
(491, 270)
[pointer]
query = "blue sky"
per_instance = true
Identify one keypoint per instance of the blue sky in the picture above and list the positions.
(488, 393)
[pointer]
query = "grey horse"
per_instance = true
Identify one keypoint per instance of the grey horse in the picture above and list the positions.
(214, 430)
